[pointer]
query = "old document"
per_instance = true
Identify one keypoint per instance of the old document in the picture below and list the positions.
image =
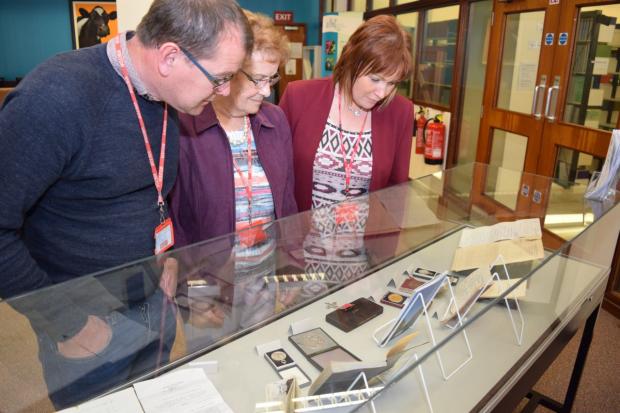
(183, 391)
(477, 256)
(498, 287)
(124, 401)
(466, 292)
(520, 229)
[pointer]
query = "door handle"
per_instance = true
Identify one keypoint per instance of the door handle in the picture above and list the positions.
(536, 100)
(552, 100)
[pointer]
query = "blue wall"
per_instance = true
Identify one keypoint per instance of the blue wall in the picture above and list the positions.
(34, 30)
(30, 32)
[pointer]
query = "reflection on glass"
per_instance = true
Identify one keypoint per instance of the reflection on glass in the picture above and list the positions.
(436, 64)
(409, 21)
(521, 53)
(567, 212)
(572, 167)
(475, 68)
(508, 154)
(380, 4)
(593, 99)
(318, 260)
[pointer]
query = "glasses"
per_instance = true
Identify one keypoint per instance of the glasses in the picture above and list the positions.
(262, 82)
(215, 81)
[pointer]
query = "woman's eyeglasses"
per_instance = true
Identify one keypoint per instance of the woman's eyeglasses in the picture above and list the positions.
(262, 82)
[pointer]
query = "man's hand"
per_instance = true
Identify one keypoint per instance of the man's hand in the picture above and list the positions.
(89, 341)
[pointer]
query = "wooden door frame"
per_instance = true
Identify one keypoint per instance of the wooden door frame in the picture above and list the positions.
(281, 86)
(559, 134)
(519, 123)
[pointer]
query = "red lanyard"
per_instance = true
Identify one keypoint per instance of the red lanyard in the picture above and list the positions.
(247, 183)
(158, 177)
(348, 164)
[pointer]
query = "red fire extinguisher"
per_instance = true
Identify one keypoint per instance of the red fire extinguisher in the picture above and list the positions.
(419, 138)
(434, 137)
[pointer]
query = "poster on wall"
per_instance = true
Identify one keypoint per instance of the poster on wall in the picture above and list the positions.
(330, 40)
(337, 28)
(92, 22)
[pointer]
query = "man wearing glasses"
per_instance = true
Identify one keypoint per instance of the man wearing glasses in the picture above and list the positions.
(89, 154)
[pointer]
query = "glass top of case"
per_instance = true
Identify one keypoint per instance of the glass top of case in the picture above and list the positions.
(219, 299)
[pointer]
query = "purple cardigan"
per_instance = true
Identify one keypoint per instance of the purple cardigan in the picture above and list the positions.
(202, 202)
(306, 104)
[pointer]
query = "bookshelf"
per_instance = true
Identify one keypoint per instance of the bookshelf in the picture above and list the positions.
(592, 98)
(436, 63)
(611, 102)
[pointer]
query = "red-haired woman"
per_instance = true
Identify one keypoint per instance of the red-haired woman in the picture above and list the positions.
(351, 132)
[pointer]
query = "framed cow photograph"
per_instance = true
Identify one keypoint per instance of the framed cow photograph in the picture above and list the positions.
(92, 22)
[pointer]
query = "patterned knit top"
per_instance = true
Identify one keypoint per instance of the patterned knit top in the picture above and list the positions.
(262, 200)
(328, 176)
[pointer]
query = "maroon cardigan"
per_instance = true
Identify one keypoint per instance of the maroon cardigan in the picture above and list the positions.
(306, 104)
(202, 202)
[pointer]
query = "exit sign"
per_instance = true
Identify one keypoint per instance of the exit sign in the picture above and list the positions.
(283, 17)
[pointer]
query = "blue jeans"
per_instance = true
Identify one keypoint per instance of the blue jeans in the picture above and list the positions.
(138, 343)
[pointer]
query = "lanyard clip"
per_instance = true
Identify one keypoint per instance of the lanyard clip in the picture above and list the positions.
(162, 213)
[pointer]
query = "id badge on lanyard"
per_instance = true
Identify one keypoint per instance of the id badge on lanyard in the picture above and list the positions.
(164, 234)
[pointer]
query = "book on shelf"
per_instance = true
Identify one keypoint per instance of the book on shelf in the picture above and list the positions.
(576, 89)
(595, 98)
(580, 59)
(615, 40)
(593, 118)
(584, 28)
(606, 33)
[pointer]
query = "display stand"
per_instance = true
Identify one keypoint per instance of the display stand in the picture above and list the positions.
(411, 361)
(494, 277)
(335, 400)
(326, 401)
(420, 297)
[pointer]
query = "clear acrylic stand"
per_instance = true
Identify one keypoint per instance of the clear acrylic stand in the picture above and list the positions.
(494, 277)
(419, 296)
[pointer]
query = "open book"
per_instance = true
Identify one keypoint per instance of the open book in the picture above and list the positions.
(339, 376)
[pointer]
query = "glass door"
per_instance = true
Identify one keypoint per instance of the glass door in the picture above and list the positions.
(517, 79)
(585, 106)
(578, 123)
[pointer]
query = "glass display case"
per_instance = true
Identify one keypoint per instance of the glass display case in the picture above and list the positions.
(248, 307)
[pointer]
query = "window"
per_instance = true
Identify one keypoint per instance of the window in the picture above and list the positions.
(410, 22)
(436, 58)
